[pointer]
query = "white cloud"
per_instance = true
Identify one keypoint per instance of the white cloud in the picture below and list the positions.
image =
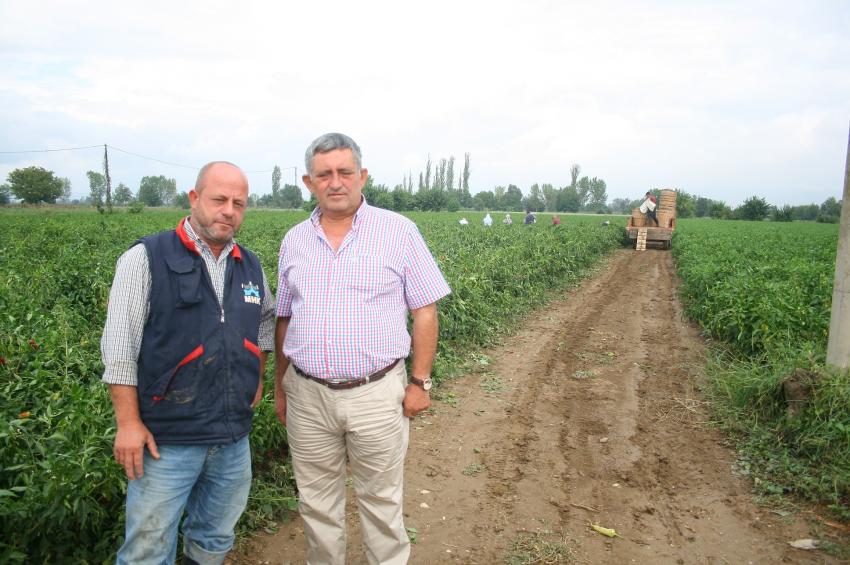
(721, 99)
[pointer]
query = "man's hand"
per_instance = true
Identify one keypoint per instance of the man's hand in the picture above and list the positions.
(415, 400)
(129, 448)
(280, 404)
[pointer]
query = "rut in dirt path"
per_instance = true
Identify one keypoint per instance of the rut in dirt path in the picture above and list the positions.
(590, 413)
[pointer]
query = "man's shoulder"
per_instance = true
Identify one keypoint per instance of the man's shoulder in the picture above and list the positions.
(389, 217)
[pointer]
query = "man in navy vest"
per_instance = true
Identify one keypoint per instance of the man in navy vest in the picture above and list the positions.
(189, 322)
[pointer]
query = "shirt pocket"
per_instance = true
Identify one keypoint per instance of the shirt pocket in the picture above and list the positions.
(187, 274)
(369, 276)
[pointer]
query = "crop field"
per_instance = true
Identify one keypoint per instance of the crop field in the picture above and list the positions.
(765, 289)
(61, 494)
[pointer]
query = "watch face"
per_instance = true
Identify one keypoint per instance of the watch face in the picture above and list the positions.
(427, 383)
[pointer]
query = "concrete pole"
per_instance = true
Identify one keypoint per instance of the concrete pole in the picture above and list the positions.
(838, 349)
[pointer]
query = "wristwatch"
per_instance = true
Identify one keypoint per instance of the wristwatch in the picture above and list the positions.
(424, 384)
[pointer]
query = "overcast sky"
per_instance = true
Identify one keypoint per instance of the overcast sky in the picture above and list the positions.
(721, 99)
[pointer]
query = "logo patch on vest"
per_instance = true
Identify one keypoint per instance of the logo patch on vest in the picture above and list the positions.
(251, 293)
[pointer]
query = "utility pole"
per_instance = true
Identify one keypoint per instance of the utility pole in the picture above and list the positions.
(108, 180)
(838, 349)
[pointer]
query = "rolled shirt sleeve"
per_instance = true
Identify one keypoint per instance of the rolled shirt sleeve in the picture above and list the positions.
(126, 314)
(424, 284)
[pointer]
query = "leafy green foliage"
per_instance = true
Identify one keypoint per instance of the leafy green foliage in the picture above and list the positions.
(61, 493)
(34, 185)
(766, 289)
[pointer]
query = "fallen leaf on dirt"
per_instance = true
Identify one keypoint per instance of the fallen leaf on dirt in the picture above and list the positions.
(424, 505)
(610, 532)
(423, 491)
(805, 543)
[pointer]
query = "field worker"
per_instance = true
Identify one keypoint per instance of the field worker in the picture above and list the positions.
(348, 276)
(488, 221)
(189, 319)
(463, 222)
(507, 221)
(648, 207)
(556, 221)
(530, 218)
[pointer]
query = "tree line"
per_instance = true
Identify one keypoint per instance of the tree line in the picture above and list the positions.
(437, 189)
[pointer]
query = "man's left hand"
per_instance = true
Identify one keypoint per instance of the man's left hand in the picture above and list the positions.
(415, 401)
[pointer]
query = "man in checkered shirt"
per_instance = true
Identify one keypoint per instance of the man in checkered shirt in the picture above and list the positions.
(189, 320)
(347, 278)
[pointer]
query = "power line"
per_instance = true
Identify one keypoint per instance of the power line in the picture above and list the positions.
(50, 150)
(139, 155)
(154, 159)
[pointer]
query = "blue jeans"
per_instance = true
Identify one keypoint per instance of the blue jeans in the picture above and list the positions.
(210, 482)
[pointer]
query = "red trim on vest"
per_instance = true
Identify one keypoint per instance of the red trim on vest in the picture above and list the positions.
(236, 253)
(185, 239)
(197, 352)
(251, 347)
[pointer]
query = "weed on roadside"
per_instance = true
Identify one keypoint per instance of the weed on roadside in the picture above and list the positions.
(540, 547)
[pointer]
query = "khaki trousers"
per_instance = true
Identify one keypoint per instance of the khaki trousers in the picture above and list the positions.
(366, 426)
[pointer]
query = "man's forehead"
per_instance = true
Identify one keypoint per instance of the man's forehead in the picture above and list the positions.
(334, 159)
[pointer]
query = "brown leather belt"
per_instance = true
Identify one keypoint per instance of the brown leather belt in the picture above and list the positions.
(340, 385)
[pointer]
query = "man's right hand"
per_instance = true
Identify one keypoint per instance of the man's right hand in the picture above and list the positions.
(129, 448)
(280, 405)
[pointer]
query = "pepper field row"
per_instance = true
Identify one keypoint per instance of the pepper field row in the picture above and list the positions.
(61, 494)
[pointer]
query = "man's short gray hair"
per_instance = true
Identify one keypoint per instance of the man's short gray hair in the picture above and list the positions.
(329, 142)
(205, 169)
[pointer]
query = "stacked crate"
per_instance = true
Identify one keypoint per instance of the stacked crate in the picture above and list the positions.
(666, 208)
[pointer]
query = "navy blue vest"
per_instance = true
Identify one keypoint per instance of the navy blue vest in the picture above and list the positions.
(199, 362)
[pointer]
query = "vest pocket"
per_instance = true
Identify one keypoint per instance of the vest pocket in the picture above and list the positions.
(187, 275)
(159, 391)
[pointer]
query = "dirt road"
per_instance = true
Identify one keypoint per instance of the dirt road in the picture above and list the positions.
(589, 414)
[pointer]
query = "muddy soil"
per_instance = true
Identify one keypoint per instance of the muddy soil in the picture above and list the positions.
(590, 413)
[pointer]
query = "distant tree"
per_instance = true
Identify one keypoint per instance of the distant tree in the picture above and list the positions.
(535, 200)
(720, 210)
(428, 172)
(484, 200)
(421, 181)
(290, 197)
(550, 197)
(568, 200)
(97, 188)
(34, 185)
(830, 211)
(441, 175)
(621, 206)
(784, 214)
(512, 200)
(275, 180)
(499, 198)
(806, 212)
(4, 194)
(157, 191)
(597, 195)
(702, 206)
(253, 200)
(753, 208)
(65, 198)
(450, 174)
(181, 200)
(123, 195)
(466, 173)
(685, 204)
(402, 199)
(433, 200)
(583, 190)
(575, 171)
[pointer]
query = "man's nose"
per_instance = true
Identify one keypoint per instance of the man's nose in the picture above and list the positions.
(227, 208)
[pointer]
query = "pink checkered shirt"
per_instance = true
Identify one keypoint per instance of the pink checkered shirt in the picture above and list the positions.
(348, 310)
